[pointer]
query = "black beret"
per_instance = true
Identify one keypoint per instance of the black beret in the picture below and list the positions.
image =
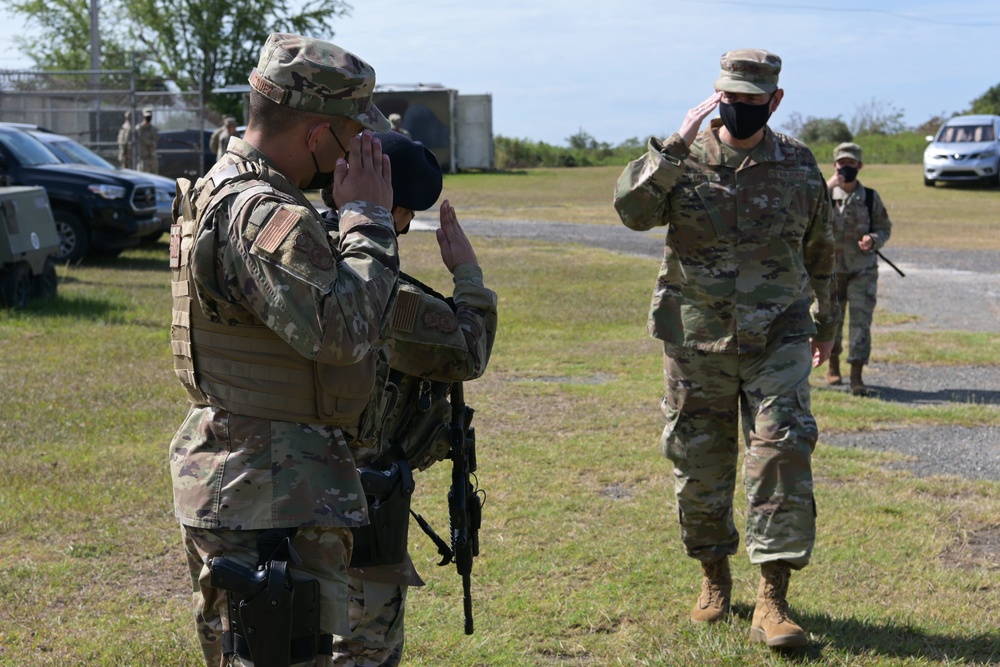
(416, 174)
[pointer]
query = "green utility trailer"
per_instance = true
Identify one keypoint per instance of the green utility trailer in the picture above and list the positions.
(28, 244)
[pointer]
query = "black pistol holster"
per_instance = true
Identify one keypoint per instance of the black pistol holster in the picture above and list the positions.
(274, 620)
(388, 491)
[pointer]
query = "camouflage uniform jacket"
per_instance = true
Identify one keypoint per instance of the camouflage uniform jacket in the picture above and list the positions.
(853, 223)
(125, 145)
(749, 241)
(432, 339)
(329, 303)
(146, 137)
(218, 141)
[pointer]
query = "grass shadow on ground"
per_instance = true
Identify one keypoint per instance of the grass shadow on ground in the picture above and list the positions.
(856, 638)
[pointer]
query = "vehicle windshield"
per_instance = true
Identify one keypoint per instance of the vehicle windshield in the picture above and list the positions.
(956, 133)
(27, 150)
(79, 153)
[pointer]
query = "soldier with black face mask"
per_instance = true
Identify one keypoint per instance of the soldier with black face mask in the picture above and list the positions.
(863, 228)
(748, 250)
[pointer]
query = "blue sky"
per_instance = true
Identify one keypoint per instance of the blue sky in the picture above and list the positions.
(634, 67)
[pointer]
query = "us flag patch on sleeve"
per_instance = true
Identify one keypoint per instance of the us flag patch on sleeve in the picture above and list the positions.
(404, 314)
(276, 230)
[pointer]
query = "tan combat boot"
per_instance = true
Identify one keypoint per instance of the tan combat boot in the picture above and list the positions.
(858, 387)
(833, 370)
(716, 589)
(771, 623)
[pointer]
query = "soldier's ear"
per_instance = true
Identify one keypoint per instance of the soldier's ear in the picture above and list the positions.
(779, 94)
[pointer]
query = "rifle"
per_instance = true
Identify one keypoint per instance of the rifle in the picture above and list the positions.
(870, 205)
(465, 507)
(465, 500)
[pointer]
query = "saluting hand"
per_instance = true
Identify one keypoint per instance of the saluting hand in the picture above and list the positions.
(697, 115)
(366, 175)
(455, 246)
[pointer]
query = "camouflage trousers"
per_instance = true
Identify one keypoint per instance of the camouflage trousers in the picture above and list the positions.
(707, 394)
(149, 164)
(858, 290)
(375, 611)
(324, 552)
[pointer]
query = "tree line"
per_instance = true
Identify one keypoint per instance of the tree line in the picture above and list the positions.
(877, 125)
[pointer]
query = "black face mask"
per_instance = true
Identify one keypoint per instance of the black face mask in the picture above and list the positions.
(849, 174)
(744, 120)
(320, 179)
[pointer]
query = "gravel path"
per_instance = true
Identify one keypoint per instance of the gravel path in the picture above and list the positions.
(946, 290)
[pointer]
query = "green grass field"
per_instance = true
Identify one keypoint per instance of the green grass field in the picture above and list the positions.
(581, 561)
(946, 216)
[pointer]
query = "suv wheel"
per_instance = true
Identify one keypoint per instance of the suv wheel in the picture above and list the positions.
(73, 241)
(929, 182)
(16, 286)
(995, 180)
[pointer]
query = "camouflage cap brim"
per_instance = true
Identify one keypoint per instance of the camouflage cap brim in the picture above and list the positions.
(731, 82)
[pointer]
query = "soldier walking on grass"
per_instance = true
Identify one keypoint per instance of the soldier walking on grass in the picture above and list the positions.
(863, 227)
(749, 248)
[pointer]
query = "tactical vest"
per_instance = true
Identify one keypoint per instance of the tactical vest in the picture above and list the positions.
(245, 369)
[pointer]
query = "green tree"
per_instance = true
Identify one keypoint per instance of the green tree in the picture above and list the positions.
(825, 129)
(988, 102)
(191, 42)
(65, 35)
(877, 117)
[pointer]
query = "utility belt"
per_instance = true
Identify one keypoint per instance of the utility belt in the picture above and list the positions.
(274, 620)
(388, 491)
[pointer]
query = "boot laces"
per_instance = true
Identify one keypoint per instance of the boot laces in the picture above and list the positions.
(714, 583)
(776, 595)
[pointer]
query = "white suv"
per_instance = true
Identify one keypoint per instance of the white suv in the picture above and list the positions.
(967, 148)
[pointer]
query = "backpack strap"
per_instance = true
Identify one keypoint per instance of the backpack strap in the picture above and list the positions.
(870, 205)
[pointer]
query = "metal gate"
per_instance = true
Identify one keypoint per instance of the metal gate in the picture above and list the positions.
(91, 107)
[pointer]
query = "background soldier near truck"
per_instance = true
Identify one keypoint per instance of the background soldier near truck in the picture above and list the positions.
(749, 246)
(863, 227)
(146, 137)
(432, 342)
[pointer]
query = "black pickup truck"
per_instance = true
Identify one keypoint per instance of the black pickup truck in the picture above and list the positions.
(94, 209)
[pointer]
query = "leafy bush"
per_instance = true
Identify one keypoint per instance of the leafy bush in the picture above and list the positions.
(583, 151)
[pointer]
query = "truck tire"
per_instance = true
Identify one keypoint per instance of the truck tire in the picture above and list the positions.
(47, 284)
(16, 286)
(73, 240)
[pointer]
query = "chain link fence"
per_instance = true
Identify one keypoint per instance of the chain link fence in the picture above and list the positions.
(90, 107)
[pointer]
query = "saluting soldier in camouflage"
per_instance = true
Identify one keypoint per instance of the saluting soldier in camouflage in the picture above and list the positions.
(146, 136)
(749, 249)
(859, 236)
(430, 343)
(275, 331)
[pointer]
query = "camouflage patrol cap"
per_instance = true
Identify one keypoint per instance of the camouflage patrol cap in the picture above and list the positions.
(229, 120)
(318, 77)
(148, 111)
(847, 149)
(751, 71)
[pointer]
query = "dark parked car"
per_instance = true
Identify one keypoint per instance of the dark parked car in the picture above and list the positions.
(180, 155)
(94, 209)
(69, 150)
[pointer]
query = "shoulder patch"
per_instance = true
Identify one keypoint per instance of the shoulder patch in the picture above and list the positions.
(319, 254)
(443, 322)
(276, 230)
(404, 313)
